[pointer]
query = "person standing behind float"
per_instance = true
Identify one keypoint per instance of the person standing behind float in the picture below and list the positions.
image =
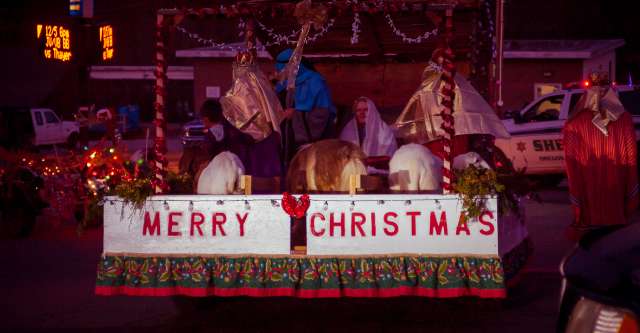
(600, 154)
(368, 130)
(219, 136)
(313, 114)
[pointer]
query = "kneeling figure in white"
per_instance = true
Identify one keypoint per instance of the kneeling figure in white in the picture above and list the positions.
(414, 168)
(222, 175)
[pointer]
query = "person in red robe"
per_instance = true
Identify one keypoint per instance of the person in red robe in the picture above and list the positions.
(600, 155)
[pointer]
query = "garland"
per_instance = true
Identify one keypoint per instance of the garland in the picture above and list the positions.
(276, 39)
(211, 43)
(448, 126)
(180, 183)
(482, 47)
(160, 144)
(355, 28)
(474, 185)
(417, 40)
(135, 192)
(320, 33)
(490, 31)
(286, 9)
(356, 7)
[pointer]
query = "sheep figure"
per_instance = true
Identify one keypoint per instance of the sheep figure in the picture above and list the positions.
(222, 175)
(325, 166)
(414, 168)
(462, 161)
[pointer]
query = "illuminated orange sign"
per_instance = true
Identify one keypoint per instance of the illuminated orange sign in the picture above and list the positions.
(56, 40)
(106, 38)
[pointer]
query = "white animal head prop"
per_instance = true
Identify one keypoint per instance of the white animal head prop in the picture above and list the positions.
(414, 168)
(222, 175)
(462, 161)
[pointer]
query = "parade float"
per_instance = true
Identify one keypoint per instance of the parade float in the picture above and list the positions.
(467, 240)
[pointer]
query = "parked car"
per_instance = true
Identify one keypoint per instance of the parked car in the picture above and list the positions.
(94, 122)
(193, 133)
(601, 282)
(35, 127)
(536, 130)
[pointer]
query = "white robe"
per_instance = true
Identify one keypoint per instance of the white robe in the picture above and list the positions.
(378, 140)
(414, 168)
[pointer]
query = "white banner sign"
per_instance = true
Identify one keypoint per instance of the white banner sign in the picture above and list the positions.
(396, 224)
(202, 224)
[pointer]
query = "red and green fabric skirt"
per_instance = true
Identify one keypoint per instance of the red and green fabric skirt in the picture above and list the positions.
(301, 276)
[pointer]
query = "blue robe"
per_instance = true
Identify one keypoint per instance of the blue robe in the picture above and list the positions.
(316, 111)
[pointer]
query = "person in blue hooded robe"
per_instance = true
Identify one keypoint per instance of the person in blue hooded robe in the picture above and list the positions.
(313, 114)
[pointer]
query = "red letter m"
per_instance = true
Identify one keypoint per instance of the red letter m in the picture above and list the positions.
(149, 227)
(438, 227)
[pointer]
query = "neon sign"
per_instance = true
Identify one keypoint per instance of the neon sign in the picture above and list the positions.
(106, 40)
(56, 40)
(81, 8)
(75, 7)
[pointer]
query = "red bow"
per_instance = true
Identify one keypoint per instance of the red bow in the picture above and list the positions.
(295, 207)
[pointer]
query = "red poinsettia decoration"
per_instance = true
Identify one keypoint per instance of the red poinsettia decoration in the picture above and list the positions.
(295, 207)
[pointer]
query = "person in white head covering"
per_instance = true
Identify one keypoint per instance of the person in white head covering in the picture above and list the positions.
(368, 130)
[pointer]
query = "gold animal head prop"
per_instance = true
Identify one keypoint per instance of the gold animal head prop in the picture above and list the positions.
(421, 121)
(437, 56)
(307, 14)
(251, 105)
(599, 79)
(244, 58)
(315, 14)
(601, 100)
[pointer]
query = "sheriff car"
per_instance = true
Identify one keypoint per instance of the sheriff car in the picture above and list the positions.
(536, 130)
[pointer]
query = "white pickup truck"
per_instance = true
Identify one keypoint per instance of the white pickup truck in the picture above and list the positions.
(36, 126)
(536, 130)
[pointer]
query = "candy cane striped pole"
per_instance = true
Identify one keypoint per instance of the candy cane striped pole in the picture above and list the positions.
(448, 92)
(160, 163)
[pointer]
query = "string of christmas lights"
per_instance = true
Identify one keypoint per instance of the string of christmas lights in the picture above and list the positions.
(276, 203)
(417, 40)
(355, 28)
(276, 39)
(211, 43)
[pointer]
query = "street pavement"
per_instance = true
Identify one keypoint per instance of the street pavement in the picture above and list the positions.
(47, 285)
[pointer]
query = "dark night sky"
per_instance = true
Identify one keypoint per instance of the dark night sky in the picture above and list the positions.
(524, 19)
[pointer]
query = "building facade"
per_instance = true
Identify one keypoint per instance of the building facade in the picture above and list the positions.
(537, 67)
